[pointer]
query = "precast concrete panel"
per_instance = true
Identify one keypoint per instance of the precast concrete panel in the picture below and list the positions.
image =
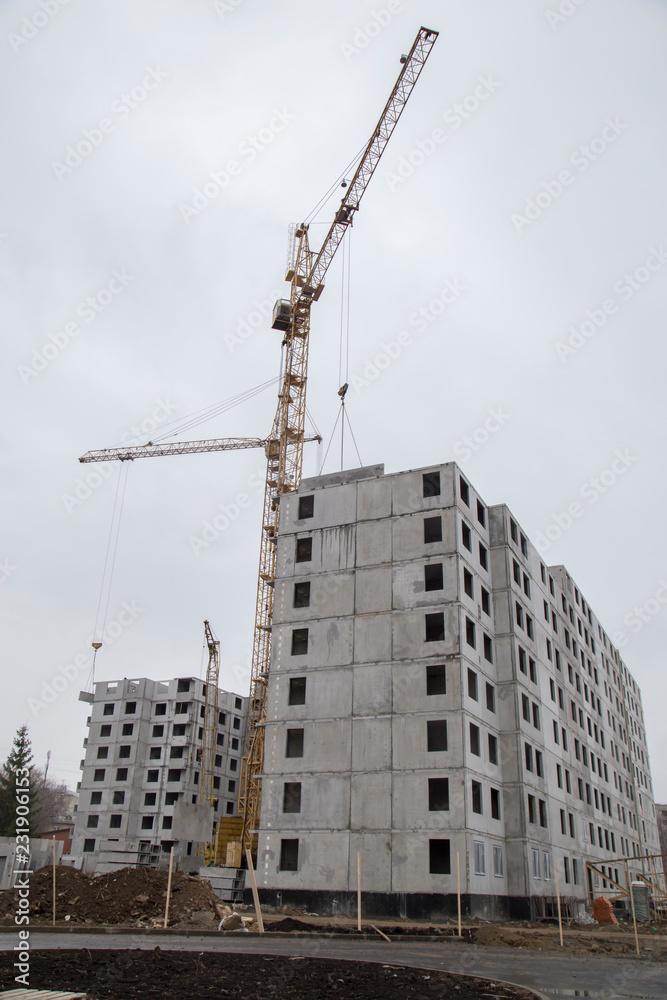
(500, 571)
(325, 803)
(410, 868)
(516, 809)
(337, 548)
(373, 543)
(328, 694)
(285, 555)
(504, 656)
(332, 506)
(371, 744)
(410, 809)
(408, 491)
(516, 868)
(408, 585)
(372, 638)
(409, 634)
(373, 590)
(322, 862)
(329, 644)
(375, 851)
(370, 807)
(374, 499)
(331, 596)
(409, 687)
(410, 746)
(497, 517)
(326, 747)
(408, 535)
(372, 689)
(506, 708)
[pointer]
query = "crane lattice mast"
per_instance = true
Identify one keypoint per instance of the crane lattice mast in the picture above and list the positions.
(306, 276)
(210, 716)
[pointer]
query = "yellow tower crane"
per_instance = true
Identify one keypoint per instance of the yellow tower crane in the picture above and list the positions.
(284, 446)
(210, 716)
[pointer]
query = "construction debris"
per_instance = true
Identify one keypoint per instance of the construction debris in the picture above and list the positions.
(603, 911)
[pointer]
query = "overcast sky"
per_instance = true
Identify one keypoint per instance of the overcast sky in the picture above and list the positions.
(514, 238)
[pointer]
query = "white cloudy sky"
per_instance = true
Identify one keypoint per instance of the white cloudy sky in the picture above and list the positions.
(553, 87)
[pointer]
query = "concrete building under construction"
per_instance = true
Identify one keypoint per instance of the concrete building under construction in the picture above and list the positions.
(437, 693)
(141, 777)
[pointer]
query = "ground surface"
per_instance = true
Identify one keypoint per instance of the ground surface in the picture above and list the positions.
(169, 975)
(136, 897)
(553, 975)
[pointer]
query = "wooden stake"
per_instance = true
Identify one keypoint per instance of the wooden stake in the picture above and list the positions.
(166, 907)
(632, 904)
(54, 881)
(381, 933)
(359, 891)
(458, 889)
(560, 917)
(255, 894)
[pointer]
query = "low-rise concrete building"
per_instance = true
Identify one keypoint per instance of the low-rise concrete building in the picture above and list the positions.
(15, 864)
(442, 702)
(140, 788)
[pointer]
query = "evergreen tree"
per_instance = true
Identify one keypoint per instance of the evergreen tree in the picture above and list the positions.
(20, 756)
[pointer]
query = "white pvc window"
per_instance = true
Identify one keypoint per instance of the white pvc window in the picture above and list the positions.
(536, 864)
(498, 863)
(480, 866)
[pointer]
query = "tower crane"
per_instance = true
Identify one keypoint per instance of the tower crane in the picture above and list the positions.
(284, 446)
(210, 716)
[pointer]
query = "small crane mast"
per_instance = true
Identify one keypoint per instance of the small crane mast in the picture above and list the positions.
(210, 716)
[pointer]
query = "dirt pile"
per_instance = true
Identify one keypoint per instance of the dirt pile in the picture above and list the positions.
(130, 896)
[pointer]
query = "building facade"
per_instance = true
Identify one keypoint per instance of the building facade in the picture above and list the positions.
(143, 765)
(440, 701)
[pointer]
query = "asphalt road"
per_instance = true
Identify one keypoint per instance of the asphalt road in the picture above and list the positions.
(554, 975)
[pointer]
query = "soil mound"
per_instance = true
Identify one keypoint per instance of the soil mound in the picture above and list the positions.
(130, 896)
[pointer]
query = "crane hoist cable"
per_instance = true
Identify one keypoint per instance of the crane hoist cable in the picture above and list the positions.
(108, 571)
(337, 183)
(207, 413)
